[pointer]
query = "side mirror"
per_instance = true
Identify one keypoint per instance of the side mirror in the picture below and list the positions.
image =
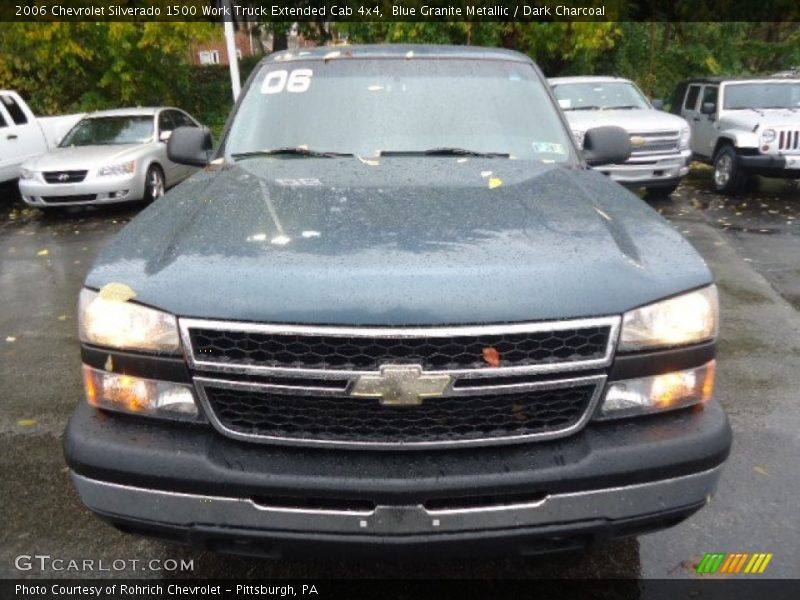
(606, 145)
(164, 136)
(708, 108)
(657, 103)
(190, 146)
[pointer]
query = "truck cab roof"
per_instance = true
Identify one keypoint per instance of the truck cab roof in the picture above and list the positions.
(396, 51)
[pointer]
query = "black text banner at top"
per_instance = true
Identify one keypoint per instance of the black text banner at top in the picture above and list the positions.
(377, 11)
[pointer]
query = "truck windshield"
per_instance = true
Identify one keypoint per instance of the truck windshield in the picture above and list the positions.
(762, 95)
(102, 131)
(403, 106)
(599, 96)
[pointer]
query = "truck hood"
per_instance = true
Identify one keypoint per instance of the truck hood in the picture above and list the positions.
(407, 241)
(764, 118)
(635, 120)
(76, 158)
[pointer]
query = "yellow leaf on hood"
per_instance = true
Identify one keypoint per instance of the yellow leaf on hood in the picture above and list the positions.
(117, 292)
(495, 182)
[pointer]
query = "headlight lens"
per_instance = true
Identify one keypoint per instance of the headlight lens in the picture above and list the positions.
(686, 319)
(768, 135)
(26, 174)
(659, 393)
(136, 395)
(125, 168)
(685, 137)
(126, 325)
(578, 135)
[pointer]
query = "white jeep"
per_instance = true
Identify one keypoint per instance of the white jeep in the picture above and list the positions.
(743, 126)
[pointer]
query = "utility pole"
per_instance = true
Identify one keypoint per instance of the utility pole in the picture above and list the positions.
(233, 60)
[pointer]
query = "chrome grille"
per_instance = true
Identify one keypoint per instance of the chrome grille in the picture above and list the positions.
(263, 413)
(304, 384)
(64, 176)
(662, 142)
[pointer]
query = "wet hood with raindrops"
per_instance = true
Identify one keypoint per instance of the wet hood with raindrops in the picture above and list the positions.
(399, 240)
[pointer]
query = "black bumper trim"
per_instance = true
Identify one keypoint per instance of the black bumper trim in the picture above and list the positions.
(194, 459)
(523, 541)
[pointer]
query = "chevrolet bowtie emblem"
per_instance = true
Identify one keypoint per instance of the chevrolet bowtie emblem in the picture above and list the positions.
(401, 385)
(638, 141)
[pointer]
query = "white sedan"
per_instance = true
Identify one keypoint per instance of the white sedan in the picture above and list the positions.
(109, 156)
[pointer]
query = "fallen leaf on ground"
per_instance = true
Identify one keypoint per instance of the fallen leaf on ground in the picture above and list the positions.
(761, 470)
(43, 252)
(11, 338)
(27, 422)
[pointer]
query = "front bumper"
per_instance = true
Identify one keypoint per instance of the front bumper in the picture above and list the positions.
(650, 170)
(93, 190)
(190, 484)
(776, 165)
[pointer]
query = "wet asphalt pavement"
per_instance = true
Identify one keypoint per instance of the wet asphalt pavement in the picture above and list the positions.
(752, 244)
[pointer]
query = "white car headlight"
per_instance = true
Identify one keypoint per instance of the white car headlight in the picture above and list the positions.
(677, 389)
(768, 135)
(27, 174)
(685, 138)
(686, 319)
(125, 168)
(578, 135)
(126, 325)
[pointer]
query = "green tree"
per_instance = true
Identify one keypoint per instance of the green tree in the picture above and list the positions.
(84, 66)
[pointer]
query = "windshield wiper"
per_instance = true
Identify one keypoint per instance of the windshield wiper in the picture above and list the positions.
(589, 107)
(289, 150)
(623, 107)
(446, 151)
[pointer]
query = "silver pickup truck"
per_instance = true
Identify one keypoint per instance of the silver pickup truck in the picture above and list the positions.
(743, 126)
(659, 141)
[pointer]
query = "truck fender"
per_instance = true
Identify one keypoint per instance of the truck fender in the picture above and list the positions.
(740, 140)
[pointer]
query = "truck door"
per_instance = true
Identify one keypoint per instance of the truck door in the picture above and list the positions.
(705, 130)
(8, 163)
(691, 112)
(22, 138)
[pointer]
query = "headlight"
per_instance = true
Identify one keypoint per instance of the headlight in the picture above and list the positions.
(768, 135)
(685, 319)
(125, 168)
(685, 137)
(27, 174)
(658, 393)
(578, 136)
(126, 325)
(136, 395)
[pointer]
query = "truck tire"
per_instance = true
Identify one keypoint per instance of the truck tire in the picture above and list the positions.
(660, 192)
(729, 177)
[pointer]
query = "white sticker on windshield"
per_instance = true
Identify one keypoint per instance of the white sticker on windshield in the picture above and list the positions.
(547, 148)
(295, 82)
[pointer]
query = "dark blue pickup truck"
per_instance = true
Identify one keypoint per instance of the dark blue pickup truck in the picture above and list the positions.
(397, 312)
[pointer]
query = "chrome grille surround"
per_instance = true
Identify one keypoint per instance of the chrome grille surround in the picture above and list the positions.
(656, 142)
(488, 381)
